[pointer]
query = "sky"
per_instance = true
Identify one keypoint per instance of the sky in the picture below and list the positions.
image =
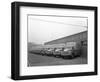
(42, 28)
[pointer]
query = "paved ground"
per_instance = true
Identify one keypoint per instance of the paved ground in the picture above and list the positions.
(39, 60)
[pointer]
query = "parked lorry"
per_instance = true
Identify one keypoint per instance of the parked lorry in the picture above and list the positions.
(71, 50)
(50, 51)
(57, 52)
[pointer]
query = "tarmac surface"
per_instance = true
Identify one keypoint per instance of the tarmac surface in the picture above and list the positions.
(39, 60)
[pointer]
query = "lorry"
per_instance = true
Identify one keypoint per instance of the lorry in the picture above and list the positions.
(50, 51)
(57, 52)
(71, 50)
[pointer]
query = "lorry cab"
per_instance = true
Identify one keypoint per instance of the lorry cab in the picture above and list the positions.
(57, 52)
(50, 51)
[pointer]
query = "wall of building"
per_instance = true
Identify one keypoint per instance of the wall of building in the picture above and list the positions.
(76, 38)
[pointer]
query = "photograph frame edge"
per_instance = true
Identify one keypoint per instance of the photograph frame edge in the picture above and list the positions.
(15, 41)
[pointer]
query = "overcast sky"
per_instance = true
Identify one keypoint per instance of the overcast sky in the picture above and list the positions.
(47, 28)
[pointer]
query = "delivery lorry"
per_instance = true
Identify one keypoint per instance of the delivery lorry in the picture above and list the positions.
(71, 50)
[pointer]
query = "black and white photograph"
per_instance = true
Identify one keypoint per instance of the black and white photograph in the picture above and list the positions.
(57, 40)
(53, 40)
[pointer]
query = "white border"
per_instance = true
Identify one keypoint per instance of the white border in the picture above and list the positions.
(24, 70)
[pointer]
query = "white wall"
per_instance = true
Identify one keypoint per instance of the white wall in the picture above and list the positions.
(5, 42)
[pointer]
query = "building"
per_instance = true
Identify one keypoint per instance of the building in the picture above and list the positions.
(79, 37)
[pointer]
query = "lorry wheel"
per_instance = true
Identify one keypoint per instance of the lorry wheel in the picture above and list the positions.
(63, 57)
